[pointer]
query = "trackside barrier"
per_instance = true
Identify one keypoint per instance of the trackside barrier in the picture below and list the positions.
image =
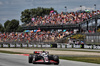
(88, 46)
(48, 45)
(30, 45)
(0, 45)
(76, 46)
(18, 45)
(58, 45)
(39, 45)
(12, 45)
(96, 46)
(43, 45)
(54, 45)
(35, 45)
(24, 45)
(82, 45)
(5, 45)
(63, 45)
(69, 46)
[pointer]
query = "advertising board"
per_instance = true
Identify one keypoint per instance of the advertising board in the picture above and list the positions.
(96, 46)
(48, 45)
(35, 45)
(30, 45)
(5, 45)
(58, 45)
(18, 45)
(43, 45)
(63, 45)
(88, 46)
(39, 45)
(12, 45)
(24, 45)
(76, 46)
(69, 46)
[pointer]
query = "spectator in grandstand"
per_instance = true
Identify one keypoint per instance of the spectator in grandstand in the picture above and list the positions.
(34, 36)
(64, 18)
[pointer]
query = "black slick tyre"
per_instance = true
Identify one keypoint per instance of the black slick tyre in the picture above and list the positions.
(30, 58)
(56, 58)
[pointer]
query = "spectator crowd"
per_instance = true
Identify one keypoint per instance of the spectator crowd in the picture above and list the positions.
(52, 19)
(44, 36)
(63, 18)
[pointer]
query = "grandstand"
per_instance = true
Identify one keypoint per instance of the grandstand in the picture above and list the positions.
(66, 21)
(72, 20)
(54, 27)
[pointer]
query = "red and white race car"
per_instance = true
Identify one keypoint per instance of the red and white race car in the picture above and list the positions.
(43, 57)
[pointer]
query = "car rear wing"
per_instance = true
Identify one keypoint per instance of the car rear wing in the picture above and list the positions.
(39, 52)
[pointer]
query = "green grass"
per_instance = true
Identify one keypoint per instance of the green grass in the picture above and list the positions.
(83, 59)
(10, 52)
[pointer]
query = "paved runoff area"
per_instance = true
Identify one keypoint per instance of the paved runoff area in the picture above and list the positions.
(57, 52)
(22, 60)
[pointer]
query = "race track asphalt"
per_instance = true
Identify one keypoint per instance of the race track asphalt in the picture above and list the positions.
(19, 60)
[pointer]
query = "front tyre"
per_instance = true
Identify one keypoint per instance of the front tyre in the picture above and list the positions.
(30, 58)
(33, 60)
(56, 58)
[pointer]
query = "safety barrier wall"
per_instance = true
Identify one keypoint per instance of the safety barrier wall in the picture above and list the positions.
(58, 45)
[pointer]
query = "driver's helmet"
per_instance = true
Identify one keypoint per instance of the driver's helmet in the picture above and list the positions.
(43, 52)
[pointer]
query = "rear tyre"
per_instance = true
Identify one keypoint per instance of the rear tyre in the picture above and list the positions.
(51, 57)
(30, 58)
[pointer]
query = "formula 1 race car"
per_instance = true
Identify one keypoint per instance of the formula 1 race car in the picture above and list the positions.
(43, 57)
